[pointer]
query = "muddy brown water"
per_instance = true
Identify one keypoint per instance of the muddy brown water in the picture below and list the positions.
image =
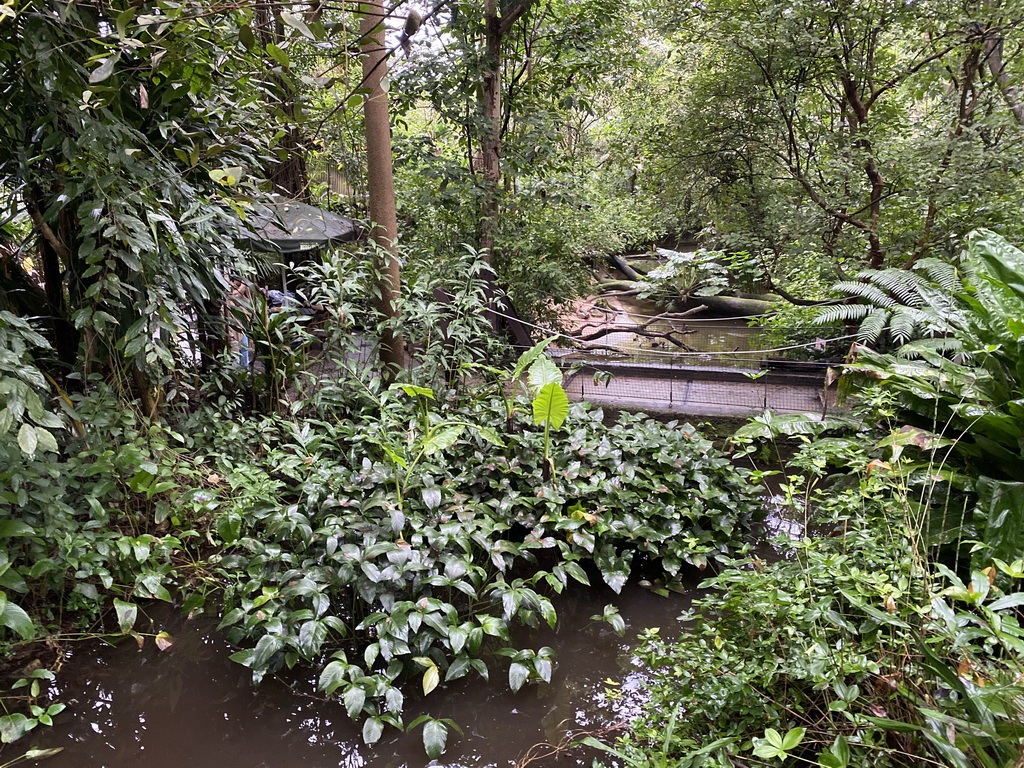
(190, 706)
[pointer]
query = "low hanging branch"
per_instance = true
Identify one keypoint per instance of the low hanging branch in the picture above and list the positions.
(584, 339)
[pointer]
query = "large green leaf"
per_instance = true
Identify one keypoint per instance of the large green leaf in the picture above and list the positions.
(1002, 506)
(518, 674)
(127, 613)
(442, 438)
(527, 358)
(333, 676)
(551, 406)
(1001, 263)
(14, 617)
(435, 736)
(542, 373)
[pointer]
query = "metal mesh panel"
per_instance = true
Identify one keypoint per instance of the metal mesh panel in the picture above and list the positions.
(698, 393)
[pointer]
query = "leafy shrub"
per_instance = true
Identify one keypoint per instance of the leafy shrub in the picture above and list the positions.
(408, 548)
(685, 275)
(850, 652)
(967, 385)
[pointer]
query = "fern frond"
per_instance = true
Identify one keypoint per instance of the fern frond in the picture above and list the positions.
(871, 329)
(902, 325)
(868, 292)
(841, 313)
(904, 285)
(919, 347)
(942, 273)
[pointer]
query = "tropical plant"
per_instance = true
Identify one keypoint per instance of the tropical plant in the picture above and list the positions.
(405, 553)
(685, 275)
(851, 651)
(908, 304)
(974, 399)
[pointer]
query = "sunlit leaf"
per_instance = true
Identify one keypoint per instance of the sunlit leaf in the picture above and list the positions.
(104, 70)
(542, 373)
(518, 674)
(372, 730)
(551, 406)
(354, 699)
(442, 438)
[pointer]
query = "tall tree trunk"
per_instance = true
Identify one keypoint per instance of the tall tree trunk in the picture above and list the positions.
(496, 27)
(490, 144)
(380, 174)
(994, 57)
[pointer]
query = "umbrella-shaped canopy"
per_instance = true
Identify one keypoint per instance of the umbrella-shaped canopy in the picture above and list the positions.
(281, 225)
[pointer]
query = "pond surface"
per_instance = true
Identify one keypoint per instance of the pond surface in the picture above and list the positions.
(191, 706)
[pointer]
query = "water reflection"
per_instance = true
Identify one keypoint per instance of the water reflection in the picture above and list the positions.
(191, 706)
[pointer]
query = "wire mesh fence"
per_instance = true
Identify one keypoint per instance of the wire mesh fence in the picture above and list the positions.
(700, 391)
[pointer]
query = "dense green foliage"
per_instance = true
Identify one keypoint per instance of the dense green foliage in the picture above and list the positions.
(894, 638)
(381, 534)
(374, 534)
(820, 136)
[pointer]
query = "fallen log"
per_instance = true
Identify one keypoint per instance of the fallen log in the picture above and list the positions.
(620, 264)
(733, 305)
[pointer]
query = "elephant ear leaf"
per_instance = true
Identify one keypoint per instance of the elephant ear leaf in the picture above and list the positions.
(543, 372)
(529, 356)
(551, 406)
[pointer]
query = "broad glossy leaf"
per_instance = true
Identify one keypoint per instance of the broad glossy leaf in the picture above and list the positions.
(527, 358)
(1007, 601)
(14, 617)
(354, 699)
(442, 438)
(27, 440)
(373, 728)
(104, 70)
(518, 674)
(127, 613)
(490, 435)
(435, 736)
(296, 23)
(12, 528)
(333, 676)
(543, 372)
(277, 54)
(13, 727)
(551, 406)
(431, 678)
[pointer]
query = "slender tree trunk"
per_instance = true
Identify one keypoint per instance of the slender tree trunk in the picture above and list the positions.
(380, 174)
(490, 144)
(55, 255)
(994, 57)
(860, 128)
(288, 174)
(496, 27)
